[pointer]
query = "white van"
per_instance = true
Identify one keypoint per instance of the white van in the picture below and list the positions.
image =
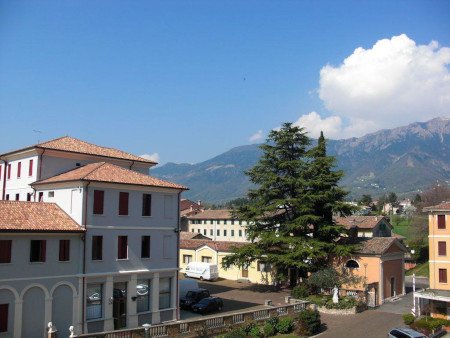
(203, 271)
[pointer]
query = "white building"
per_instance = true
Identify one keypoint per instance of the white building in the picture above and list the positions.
(127, 267)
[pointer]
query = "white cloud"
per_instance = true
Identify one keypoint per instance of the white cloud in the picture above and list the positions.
(395, 82)
(258, 136)
(152, 157)
(314, 124)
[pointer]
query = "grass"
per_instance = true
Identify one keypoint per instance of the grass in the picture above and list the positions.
(420, 270)
(401, 225)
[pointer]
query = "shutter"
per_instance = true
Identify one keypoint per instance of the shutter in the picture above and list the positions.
(146, 205)
(442, 275)
(19, 169)
(5, 251)
(30, 168)
(4, 317)
(441, 221)
(43, 247)
(442, 248)
(123, 203)
(9, 171)
(98, 201)
(122, 247)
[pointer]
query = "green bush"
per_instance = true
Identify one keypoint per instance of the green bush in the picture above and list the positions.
(301, 291)
(236, 333)
(285, 325)
(250, 326)
(344, 303)
(319, 300)
(273, 321)
(428, 323)
(408, 318)
(255, 332)
(308, 322)
(269, 330)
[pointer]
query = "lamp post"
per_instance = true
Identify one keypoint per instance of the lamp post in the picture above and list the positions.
(414, 296)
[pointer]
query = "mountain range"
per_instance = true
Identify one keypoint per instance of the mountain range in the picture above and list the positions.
(404, 160)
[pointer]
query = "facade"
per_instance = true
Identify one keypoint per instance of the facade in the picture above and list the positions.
(188, 208)
(436, 299)
(218, 225)
(366, 226)
(127, 271)
(209, 251)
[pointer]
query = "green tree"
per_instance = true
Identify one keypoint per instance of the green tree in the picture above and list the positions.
(290, 210)
(365, 200)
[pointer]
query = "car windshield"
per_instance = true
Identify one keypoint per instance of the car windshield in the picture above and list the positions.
(204, 301)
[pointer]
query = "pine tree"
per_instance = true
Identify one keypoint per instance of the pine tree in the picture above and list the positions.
(290, 211)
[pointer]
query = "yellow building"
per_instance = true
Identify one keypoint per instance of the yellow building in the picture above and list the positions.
(209, 251)
(436, 299)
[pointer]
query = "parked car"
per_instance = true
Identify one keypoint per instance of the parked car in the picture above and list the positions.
(207, 305)
(405, 332)
(203, 271)
(193, 297)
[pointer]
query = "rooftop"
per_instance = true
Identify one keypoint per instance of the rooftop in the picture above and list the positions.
(16, 216)
(193, 244)
(444, 206)
(74, 145)
(109, 173)
(212, 214)
(374, 245)
(185, 235)
(361, 222)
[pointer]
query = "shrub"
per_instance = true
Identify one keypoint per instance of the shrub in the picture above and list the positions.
(285, 325)
(308, 322)
(428, 323)
(255, 332)
(250, 327)
(236, 333)
(344, 303)
(318, 299)
(301, 291)
(269, 330)
(408, 318)
(273, 321)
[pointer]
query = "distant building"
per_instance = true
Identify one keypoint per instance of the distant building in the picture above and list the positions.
(366, 226)
(189, 208)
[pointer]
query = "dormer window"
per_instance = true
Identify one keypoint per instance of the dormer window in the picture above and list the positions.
(352, 264)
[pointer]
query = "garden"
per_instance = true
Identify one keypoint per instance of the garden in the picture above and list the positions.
(425, 324)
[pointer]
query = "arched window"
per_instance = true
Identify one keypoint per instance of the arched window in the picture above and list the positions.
(352, 264)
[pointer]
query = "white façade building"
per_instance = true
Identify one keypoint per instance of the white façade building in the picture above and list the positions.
(127, 270)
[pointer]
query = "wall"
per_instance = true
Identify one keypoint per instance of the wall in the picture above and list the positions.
(393, 268)
(438, 262)
(214, 225)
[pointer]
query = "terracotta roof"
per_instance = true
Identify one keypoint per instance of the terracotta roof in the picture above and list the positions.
(373, 245)
(18, 216)
(212, 214)
(187, 204)
(109, 173)
(193, 244)
(361, 222)
(444, 206)
(73, 145)
(184, 235)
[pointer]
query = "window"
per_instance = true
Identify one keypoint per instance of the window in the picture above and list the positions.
(51, 194)
(37, 250)
(240, 222)
(64, 250)
(17, 197)
(264, 267)
(232, 233)
(204, 232)
(4, 317)
(145, 247)
(198, 230)
(352, 264)
(41, 197)
(97, 248)
(146, 205)
(441, 221)
(225, 222)
(211, 221)
(123, 203)
(187, 259)
(240, 233)
(99, 196)
(9, 172)
(30, 168)
(225, 232)
(193, 230)
(442, 275)
(19, 169)
(206, 259)
(28, 197)
(122, 247)
(204, 222)
(164, 293)
(7, 197)
(211, 232)
(143, 295)
(218, 232)
(94, 295)
(442, 248)
(5, 251)
(232, 222)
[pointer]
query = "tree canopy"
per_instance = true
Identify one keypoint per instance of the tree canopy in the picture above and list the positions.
(290, 212)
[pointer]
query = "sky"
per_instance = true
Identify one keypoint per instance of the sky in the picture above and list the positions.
(183, 81)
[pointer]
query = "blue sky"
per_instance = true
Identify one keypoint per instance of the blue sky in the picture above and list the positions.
(191, 79)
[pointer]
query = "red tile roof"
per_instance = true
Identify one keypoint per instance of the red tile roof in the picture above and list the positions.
(109, 173)
(193, 244)
(361, 222)
(212, 214)
(373, 245)
(184, 235)
(16, 216)
(444, 206)
(73, 145)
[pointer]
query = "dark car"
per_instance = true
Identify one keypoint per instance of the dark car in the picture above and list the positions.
(193, 297)
(206, 305)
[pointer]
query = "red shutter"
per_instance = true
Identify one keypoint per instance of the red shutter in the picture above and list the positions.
(441, 221)
(442, 275)
(30, 168)
(9, 171)
(442, 248)
(123, 203)
(43, 247)
(122, 247)
(19, 169)
(5, 251)
(4, 317)
(99, 196)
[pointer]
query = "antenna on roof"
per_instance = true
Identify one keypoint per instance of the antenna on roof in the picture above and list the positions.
(37, 132)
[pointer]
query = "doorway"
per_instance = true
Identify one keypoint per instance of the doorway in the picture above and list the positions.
(120, 305)
(393, 293)
(244, 272)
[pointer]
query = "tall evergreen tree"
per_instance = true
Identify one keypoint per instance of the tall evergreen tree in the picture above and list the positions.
(290, 210)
